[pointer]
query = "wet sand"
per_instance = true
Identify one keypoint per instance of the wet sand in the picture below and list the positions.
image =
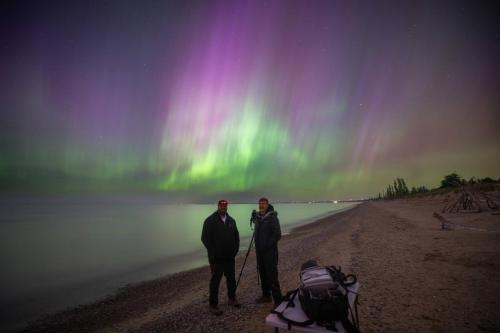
(415, 277)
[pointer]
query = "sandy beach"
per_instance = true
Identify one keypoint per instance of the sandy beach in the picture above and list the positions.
(415, 277)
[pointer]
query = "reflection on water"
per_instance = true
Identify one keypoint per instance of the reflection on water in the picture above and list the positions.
(61, 252)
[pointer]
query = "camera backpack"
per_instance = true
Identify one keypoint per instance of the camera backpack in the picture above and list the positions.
(323, 295)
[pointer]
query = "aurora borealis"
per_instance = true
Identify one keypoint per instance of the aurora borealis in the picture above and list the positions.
(294, 99)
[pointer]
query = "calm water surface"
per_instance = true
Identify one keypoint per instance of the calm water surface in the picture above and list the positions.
(62, 251)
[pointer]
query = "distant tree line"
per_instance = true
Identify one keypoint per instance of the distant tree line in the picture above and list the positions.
(454, 180)
(399, 189)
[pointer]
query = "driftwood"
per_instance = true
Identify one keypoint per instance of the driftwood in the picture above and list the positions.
(471, 199)
(447, 225)
(469, 211)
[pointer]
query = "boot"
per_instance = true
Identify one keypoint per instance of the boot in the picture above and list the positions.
(214, 309)
(234, 302)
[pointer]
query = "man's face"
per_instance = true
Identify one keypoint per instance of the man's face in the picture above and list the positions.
(222, 208)
(263, 205)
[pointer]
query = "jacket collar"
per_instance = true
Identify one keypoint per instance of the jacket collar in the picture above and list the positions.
(269, 213)
(217, 215)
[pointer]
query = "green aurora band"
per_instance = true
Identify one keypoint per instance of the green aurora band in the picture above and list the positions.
(293, 100)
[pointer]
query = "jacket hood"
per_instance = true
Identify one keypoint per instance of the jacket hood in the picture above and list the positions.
(270, 212)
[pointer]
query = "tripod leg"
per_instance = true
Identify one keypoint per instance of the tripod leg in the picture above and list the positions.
(245, 261)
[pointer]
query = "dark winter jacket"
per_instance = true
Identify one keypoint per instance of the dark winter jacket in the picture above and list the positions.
(267, 231)
(222, 240)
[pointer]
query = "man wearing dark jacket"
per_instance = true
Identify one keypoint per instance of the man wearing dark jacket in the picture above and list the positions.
(267, 235)
(222, 240)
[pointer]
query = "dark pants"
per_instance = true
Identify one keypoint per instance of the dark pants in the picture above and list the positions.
(220, 267)
(268, 271)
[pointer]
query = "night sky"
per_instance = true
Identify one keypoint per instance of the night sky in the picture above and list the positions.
(291, 99)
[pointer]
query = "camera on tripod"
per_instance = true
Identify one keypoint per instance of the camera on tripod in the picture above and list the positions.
(253, 217)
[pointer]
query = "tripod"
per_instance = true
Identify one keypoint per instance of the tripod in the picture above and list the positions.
(254, 213)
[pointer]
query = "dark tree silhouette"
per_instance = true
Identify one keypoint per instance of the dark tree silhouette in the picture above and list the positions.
(451, 180)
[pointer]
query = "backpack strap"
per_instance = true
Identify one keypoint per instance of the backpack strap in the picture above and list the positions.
(290, 304)
(349, 327)
(336, 273)
(291, 322)
(290, 297)
(351, 277)
(352, 326)
(356, 302)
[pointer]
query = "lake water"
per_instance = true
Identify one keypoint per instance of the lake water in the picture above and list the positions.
(58, 252)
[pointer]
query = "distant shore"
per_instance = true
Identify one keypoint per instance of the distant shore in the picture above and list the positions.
(414, 277)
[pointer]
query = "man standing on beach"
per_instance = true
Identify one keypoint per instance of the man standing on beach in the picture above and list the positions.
(222, 240)
(267, 235)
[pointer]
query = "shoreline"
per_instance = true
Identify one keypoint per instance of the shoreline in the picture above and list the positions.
(127, 288)
(24, 303)
(414, 277)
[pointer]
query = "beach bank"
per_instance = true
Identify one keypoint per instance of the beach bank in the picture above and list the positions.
(414, 276)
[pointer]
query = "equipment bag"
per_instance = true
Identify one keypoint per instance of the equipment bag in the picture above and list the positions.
(323, 297)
